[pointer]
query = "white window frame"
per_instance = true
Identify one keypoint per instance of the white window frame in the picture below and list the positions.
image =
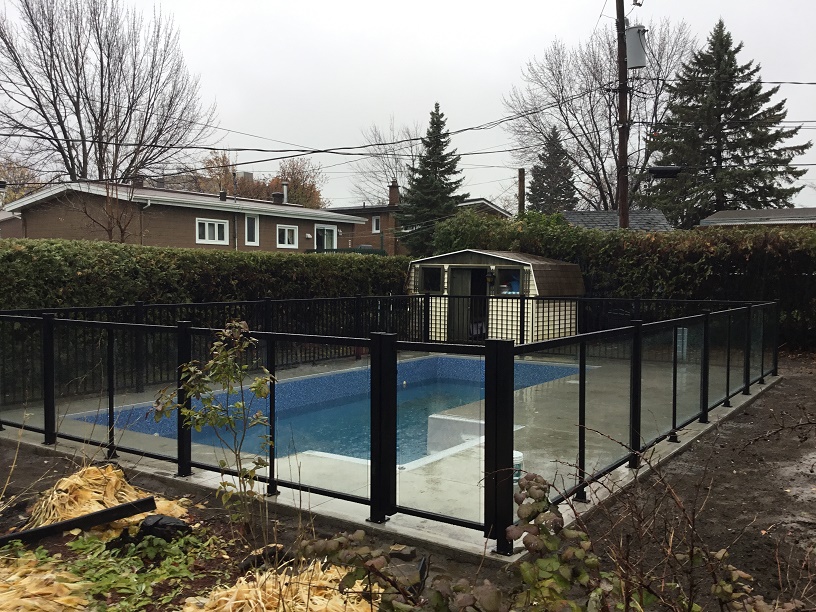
(294, 229)
(375, 224)
(323, 226)
(257, 241)
(215, 223)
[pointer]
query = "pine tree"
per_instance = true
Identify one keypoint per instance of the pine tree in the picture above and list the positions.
(724, 131)
(551, 186)
(430, 195)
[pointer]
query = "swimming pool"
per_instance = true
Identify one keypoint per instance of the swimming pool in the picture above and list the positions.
(330, 413)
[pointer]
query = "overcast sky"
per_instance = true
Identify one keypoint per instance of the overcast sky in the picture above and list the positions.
(316, 73)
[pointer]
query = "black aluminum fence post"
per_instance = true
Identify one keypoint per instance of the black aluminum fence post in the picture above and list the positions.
(426, 317)
(580, 316)
(746, 366)
(673, 433)
(111, 367)
(635, 394)
(498, 453)
(636, 311)
(522, 317)
(704, 366)
(580, 494)
(271, 366)
(383, 499)
(48, 367)
(185, 437)
(775, 339)
(139, 347)
(727, 402)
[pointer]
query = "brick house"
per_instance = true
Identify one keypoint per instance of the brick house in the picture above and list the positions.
(163, 217)
(380, 229)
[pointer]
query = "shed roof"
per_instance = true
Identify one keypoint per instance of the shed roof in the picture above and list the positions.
(607, 220)
(767, 216)
(510, 256)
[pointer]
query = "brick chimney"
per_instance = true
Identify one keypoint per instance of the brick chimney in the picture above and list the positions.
(393, 193)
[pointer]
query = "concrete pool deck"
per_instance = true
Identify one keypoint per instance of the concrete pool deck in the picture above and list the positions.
(449, 482)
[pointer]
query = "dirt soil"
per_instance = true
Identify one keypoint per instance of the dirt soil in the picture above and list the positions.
(749, 484)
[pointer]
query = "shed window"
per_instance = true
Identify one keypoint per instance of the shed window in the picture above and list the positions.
(509, 281)
(432, 279)
(211, 231)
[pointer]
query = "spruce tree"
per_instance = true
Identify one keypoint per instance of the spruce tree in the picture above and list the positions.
(727, 135)
(551, 187)
(430, 195)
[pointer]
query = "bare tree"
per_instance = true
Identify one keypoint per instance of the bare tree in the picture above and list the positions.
(115, 216)
(574, 89)
(94, 89)
(391, 152)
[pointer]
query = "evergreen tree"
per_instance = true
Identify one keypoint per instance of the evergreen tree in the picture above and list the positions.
(725, 132)
(430, 195)
(551, 187)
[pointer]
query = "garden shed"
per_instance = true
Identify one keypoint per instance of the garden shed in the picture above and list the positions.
(477, 294)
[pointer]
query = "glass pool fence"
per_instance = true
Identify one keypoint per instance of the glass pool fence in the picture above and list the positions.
(394, 420)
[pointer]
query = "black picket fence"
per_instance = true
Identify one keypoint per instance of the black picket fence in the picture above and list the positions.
(688, 365)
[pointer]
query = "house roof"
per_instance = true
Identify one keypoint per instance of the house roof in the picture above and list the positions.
(185, 199)
(480, 204)
(768, 216)
(607, 220)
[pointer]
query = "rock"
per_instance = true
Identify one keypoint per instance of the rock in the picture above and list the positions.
(402, 552)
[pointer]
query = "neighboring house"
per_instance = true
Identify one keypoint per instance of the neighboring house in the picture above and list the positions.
(163, 217)
(647, 220)
(768, 216)
(11, 226)
(380, 230)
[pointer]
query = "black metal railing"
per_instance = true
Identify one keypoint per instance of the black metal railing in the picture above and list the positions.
(665, 374)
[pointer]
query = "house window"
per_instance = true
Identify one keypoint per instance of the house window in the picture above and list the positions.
(325, 237)
(375, 225)
(212, 231)
(287, 237)
(251, 237)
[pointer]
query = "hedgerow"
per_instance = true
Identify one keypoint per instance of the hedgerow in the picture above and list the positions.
(762, 263)
(54, 273)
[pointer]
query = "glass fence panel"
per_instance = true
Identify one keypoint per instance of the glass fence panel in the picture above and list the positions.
(608, 400)
(546, 423)
(21, 390)
(769, 325)
(139, 352)
(657, 381)
(322, 417)
(739, 319)
(440, 434)
(689, 368)
(718, 331)
(80, 380)
(756, 343)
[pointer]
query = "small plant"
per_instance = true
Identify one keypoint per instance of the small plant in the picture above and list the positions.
(224, 392)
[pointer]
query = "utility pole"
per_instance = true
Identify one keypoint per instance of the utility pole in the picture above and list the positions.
(623, 122)
(521, 189)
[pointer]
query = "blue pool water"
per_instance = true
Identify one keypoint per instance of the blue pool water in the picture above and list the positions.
(328, 412)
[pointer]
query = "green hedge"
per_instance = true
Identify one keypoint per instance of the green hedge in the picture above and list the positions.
(762, 263)
(54, 273)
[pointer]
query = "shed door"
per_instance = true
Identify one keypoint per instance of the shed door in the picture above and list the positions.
(467, 304)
